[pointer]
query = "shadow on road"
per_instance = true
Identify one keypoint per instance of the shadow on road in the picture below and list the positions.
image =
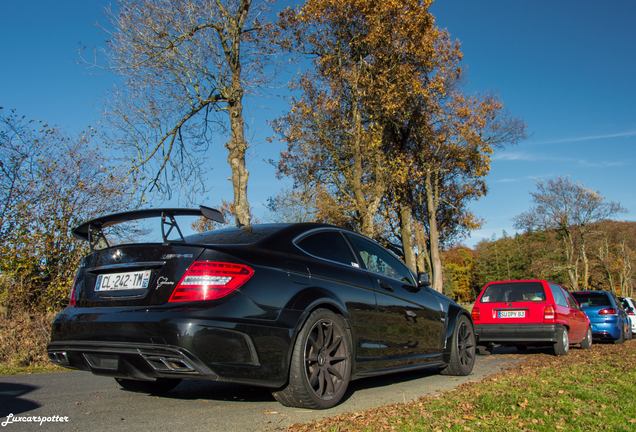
(11, 400)
(189, 389)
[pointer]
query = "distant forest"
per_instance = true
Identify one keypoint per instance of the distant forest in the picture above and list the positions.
(610, 252)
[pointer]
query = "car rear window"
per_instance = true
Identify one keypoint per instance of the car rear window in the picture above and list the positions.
(514, 292)
(592, 299)
(234, 235)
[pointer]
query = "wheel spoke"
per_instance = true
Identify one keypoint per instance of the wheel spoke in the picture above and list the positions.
(330, 388)
(313, 378)
(312, 359)
(321, 382)
(314, 343)
(334, 346)
(320, 342)
(333, 371)
(462, 332)
(336, 359)
(328, 335)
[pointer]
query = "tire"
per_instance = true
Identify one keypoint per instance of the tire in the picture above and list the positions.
(158, 386)
(522, 349)
(463, 344)
(621, 338)
(587, 341)
(562, 344)
(320, 368)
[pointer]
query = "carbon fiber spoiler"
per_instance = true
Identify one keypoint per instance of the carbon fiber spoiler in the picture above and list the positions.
(91, 230)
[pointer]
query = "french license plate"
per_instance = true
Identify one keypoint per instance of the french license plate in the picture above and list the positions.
(511, 314)
(123, 281)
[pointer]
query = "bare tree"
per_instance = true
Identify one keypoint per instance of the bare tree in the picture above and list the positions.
(49, 183)
(187, 66)
(568, 208)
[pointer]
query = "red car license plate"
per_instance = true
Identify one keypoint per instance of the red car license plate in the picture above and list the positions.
(511, 314)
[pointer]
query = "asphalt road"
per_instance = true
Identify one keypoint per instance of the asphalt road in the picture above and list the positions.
(97, 404)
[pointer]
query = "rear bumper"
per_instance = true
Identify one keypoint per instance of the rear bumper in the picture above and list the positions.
(606, 331)
(522, 333)
(182, 342)
(126, 360)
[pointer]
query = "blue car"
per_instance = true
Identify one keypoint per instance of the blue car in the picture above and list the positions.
(609, 320)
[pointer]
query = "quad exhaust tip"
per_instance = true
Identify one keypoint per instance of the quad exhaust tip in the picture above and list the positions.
(59, 357)
(169, 364)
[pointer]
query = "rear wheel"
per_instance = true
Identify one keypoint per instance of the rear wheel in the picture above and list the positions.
(158, 386)
(462, 356)
(587, 342)
(562, 344)
(320, 367)
(621, 338)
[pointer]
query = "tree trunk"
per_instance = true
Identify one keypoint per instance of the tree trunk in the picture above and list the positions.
(586, 265)
(237, 146)
(423, 258)
(572, 264)
(366, 204)
(437, 277)
(406, 232)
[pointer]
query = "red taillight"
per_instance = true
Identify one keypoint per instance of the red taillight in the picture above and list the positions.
(72, 301)
(71, 298)
(608, 311)
(548, 313)
(631, 313)
(475, 313)
(210, 280)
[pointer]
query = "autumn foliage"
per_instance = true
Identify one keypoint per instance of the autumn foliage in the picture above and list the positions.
(381, 137)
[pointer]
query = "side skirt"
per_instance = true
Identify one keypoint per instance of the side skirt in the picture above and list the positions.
(428, 361)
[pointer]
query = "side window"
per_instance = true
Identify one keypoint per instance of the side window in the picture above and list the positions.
(328, 245)
(571, 302)
(559, 297)
(378, 260)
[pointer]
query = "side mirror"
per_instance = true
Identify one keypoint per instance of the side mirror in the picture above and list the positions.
(423, 280)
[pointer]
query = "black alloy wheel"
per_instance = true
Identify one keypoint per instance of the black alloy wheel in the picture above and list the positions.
(325, 359)
(462, 355)
(320, 368)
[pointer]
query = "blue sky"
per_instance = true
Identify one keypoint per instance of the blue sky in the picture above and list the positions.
(566, 68)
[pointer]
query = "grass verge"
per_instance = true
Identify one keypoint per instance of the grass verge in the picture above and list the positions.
(585, 390)
(6, 369)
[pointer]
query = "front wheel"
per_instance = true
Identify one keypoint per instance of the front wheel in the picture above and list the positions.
(562, 344)
(462, 355)
(158, 386)
(320, 368)
(587, 342)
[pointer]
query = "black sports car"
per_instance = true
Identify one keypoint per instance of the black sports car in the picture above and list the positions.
(301, 308)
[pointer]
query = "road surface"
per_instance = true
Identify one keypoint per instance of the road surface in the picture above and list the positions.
(96, 403)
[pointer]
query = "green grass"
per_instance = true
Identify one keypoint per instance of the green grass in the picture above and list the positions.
(6, 369)
(586, 390)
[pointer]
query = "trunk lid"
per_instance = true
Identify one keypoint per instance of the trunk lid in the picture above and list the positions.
(512, 303)
(152, 269)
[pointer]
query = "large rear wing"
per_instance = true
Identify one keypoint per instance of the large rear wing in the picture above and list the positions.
(92, 230)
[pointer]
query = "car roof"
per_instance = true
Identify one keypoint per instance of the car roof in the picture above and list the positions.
(517, 281)
(256, 233)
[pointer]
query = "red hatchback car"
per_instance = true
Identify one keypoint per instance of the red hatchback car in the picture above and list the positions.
(526, 313)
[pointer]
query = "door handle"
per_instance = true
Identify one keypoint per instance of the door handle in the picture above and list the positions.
(385, 285)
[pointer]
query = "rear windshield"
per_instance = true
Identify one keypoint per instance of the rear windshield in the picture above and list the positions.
(514, 292)
(235, 235)
(592, 299)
